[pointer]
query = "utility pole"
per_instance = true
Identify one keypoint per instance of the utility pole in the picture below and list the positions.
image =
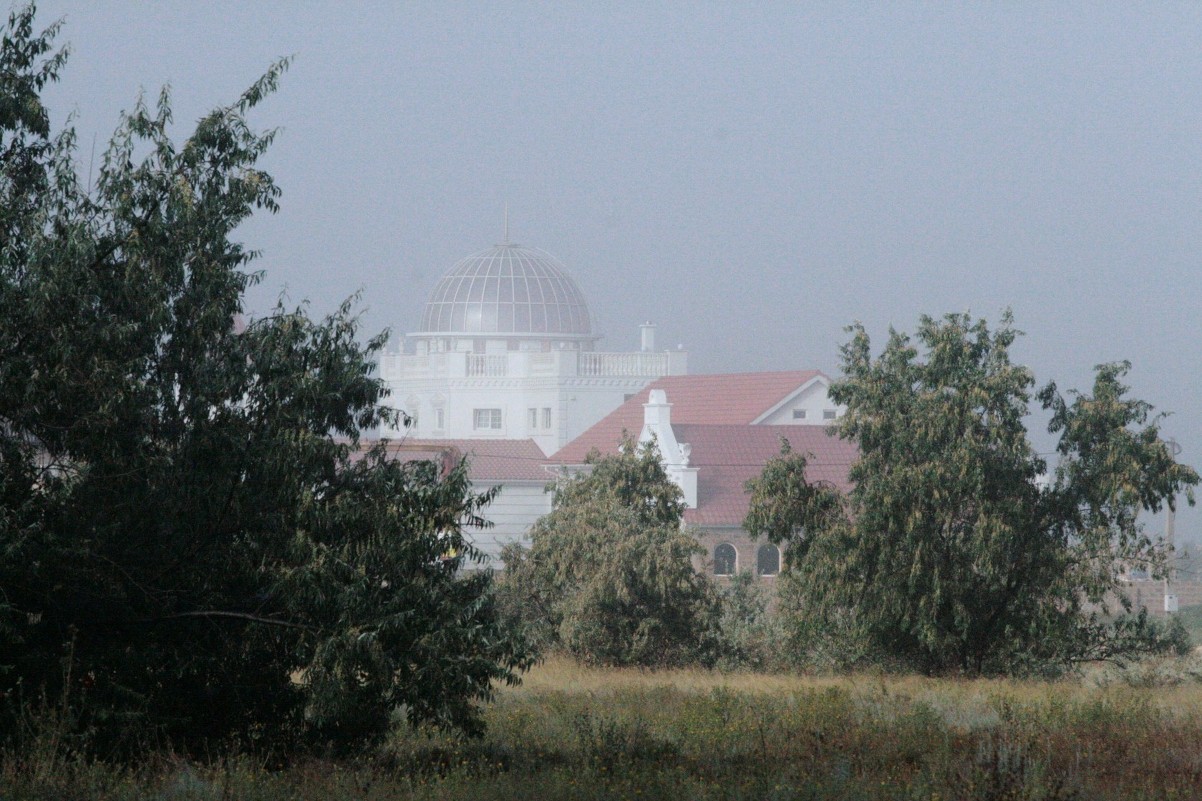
(1170, 596)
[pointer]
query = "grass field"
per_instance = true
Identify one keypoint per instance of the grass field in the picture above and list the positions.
(575, 733)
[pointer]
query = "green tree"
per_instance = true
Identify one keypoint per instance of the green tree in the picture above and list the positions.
(192, 545)
(952, 551)
(783, 501)
(609, 575)
(752, 636)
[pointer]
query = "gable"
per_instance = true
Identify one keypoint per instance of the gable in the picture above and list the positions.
(809, 405)
(716, 399)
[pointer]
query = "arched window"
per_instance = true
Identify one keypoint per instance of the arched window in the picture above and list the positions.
(725, 560)
(767, 560)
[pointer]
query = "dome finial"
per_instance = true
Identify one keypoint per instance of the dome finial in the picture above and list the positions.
(506, 240)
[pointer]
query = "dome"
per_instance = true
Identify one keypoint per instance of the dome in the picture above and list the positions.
(508, 289)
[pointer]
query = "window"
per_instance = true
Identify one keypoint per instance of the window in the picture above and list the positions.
(725, 560)
(532, 418)
(627, 396)
(767, 560)
(486, 418)
(828, 414)
(439, 419)
(546, 417)
(799, 414)
(479, 346)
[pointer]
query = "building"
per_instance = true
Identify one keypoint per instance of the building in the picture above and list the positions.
(506, 350)
(505, 369)
(791, 397)
(518, 467)
(716, 432)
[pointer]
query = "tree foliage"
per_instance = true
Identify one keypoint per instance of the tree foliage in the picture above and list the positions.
(783, 501)
(752, 635)
(609, 576)
(953, 550)
(192, 545)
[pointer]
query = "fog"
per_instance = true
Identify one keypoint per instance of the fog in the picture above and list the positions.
(751, 179)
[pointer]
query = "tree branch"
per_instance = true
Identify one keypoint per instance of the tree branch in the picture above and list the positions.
(246, 616)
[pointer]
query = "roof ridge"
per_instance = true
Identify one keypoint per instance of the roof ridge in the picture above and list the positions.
(742, 372)
(700, 398)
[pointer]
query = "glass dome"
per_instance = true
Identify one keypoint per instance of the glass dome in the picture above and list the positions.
(508, 289)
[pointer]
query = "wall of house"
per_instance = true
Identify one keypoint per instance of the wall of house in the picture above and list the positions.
(746, 551)
(1151, 595)
(514, 511)
(578, 389)
(1142, 593)
(812, 403)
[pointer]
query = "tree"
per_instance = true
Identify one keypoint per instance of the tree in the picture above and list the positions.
(783, 501)
(193, 545)
(752, 634)
(609, 574)
(953, 552)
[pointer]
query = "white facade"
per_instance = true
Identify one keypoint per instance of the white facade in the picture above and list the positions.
(550, 397)
(507, 351)
(808, 405)
(657, 426)
(513, 513)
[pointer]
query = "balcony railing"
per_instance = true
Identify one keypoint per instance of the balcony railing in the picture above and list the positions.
(487, 365)
(543, 363)
(519, 365)
(400, 365)
(623, 364)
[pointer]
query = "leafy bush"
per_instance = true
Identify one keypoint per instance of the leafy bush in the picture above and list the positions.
(752, 636)
(609, 575)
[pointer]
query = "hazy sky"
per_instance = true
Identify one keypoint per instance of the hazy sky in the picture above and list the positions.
(751, 179)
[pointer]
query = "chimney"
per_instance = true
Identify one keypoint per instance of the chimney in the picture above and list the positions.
(647, 337)
(657, 422)
(657, 412)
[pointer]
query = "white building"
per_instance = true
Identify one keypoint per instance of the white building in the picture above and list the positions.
(517, 466)
(714, 433)
(506, 350)
(505, 370)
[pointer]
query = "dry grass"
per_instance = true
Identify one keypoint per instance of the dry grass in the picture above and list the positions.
(572, 732)
(1177, 693)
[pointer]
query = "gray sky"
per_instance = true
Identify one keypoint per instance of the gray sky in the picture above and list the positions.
(752, 179)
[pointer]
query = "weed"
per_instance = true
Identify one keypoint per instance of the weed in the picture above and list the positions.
(579, 733)
(605, 742)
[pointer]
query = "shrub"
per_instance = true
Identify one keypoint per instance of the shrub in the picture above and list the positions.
(609, 576)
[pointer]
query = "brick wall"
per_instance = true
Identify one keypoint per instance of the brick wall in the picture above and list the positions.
(1151, 594)
(1147, 593)
(747, 551)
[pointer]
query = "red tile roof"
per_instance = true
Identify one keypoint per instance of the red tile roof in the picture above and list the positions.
(718, 399)
(728, 455)
(488, 459)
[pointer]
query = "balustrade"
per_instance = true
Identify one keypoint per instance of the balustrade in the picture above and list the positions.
(487, 365)
(623, 364)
